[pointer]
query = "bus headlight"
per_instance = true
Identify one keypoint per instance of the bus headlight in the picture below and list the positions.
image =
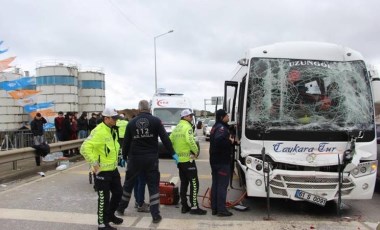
(355, 171)
(364, 169)
(374, 167)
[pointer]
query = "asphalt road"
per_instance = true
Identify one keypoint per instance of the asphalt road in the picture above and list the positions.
(66, 200)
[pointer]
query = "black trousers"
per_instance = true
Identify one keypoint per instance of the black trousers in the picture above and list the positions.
(135, 166)
(188, 175)
(108, 182)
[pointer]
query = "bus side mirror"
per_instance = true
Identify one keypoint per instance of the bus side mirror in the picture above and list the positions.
(243, 62)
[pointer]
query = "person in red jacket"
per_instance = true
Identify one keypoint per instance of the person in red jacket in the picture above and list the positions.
(58, 123)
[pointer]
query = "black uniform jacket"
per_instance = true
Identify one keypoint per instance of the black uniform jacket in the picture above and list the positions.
(141, 137)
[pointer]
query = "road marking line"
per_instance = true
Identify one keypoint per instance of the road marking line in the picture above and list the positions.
(56, 173)
(56, 217)
(170, 223)
(144, 223)
(204, 176)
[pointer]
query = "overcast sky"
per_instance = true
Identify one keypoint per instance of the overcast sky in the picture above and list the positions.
(209, 37)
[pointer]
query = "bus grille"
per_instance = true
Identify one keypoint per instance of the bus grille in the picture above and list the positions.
(279, 184)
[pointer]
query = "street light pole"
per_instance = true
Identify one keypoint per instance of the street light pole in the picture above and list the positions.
(155, 61)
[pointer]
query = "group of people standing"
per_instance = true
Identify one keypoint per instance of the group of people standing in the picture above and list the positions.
(140, 150)
(70, 127)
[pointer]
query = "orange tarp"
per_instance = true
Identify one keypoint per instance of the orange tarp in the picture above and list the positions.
(4, 64)
(45, 113)
(18, 94)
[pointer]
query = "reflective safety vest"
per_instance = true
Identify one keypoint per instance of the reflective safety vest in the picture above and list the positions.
(183, 140)
(102, 147)
(122, 125)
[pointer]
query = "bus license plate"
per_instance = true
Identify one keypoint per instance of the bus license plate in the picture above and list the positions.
(310, 197)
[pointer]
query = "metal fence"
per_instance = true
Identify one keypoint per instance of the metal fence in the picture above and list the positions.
(22, 138)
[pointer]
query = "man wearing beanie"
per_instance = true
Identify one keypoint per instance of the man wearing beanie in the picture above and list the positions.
(220, 159)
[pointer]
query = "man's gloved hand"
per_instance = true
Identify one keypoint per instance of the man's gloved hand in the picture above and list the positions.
(121, 163)
(175, 157)
(194, 155)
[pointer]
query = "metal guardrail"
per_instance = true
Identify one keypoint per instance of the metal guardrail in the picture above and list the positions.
(15, 155)
(14, 139)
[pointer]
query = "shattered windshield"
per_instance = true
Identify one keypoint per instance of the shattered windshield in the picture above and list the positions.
(289, 94)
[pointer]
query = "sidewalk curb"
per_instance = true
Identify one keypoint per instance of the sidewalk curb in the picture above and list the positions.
(32, 170)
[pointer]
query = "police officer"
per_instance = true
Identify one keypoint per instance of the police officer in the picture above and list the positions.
(121, 125)
(101, 150)
(140, 149)
(185, 146)
(220, 160)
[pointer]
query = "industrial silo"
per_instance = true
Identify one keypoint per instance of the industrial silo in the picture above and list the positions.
(58, 83)
(91, 90)
(11, 110)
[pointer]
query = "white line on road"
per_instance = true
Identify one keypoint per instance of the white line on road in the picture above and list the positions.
(188, 223)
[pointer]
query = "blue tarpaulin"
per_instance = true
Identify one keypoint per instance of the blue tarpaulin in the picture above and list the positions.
(17, 84)
(34, 107)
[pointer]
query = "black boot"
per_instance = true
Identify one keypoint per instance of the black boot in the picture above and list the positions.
(224, 213)
(185, 209)
(116, 220)
(198, 211)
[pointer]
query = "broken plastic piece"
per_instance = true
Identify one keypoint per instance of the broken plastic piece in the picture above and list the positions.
(240, 207)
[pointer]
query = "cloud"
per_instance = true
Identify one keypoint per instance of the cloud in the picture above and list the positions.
(208, 38)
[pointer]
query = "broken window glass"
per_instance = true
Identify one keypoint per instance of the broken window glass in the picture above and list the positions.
(308, 95)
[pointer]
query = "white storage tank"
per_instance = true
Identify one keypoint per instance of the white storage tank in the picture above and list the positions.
(11, 112)
(58, 83)
(91, 90)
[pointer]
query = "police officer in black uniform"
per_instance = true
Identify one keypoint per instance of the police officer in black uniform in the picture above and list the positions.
(141, 147)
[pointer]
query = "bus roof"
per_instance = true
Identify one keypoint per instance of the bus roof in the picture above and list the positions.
(306, 50)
